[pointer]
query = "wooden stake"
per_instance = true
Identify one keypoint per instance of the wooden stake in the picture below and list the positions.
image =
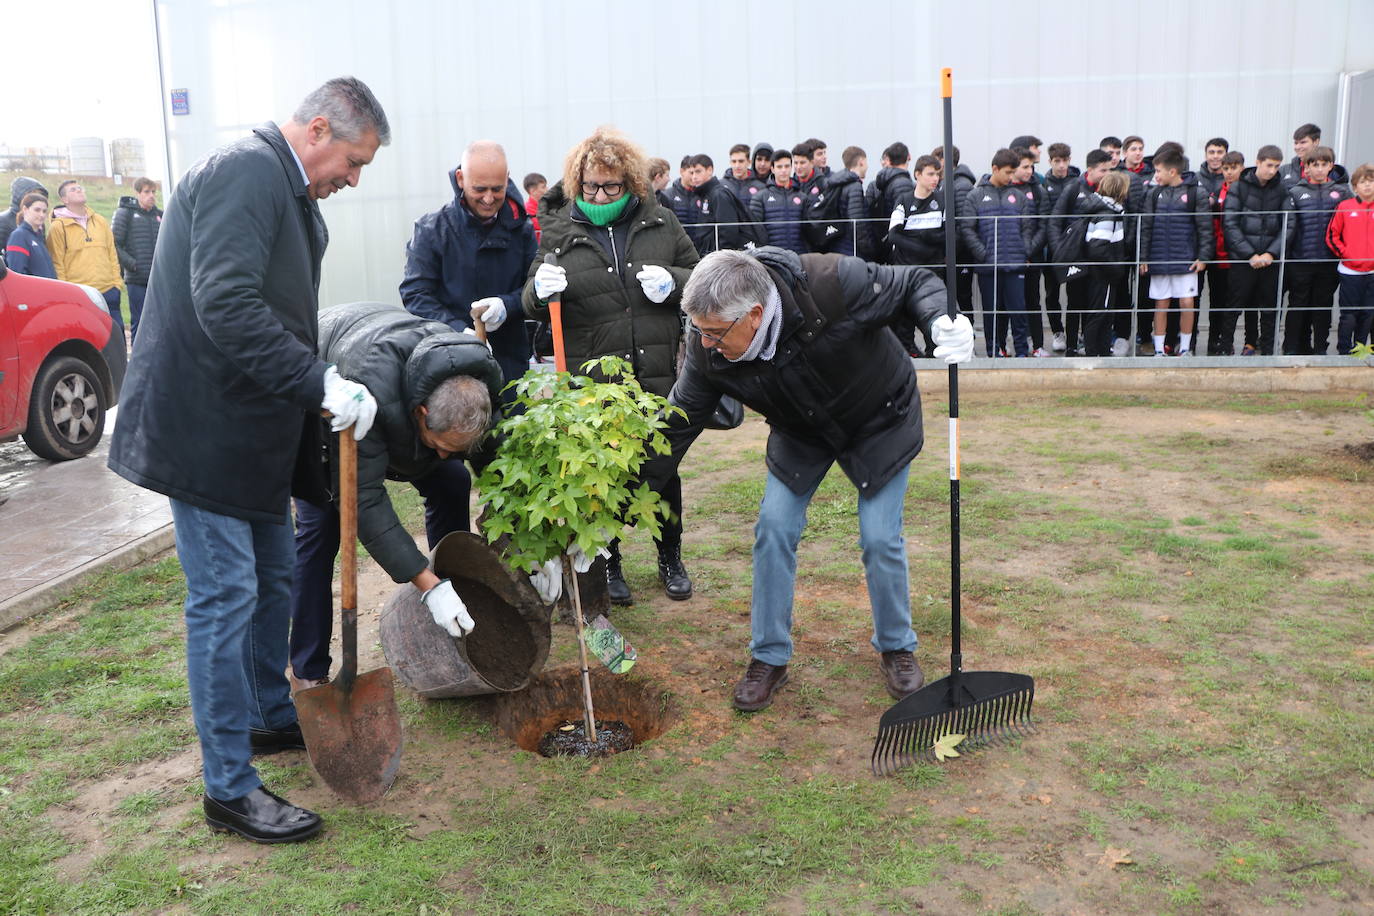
(589, 716)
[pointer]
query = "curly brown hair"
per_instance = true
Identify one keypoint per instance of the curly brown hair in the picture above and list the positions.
(611, 150)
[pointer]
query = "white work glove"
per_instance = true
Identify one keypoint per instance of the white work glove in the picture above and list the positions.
(549, 280)
(491, 311)
(898, 217)
(548, 581)
(580, 561)
(350, 403)
(953, 338)
(656, 281)
(448, 609)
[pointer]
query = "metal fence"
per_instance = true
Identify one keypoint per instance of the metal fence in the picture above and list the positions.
(1136, 303)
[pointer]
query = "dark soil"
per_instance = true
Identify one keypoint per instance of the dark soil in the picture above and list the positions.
(611, 738)
(1365, 450)
(501, 647)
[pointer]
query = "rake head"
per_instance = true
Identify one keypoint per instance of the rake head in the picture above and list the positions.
(986, 707)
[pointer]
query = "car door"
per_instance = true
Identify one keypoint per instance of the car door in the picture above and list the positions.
(9, 365)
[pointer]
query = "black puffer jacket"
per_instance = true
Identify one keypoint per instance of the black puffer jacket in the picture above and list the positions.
(839, 388)
(605, 311)
(715, 203)
(1251, 218)
(920, 237)
(1313, 205)
(9, 219)
(1176, 226)
(744, 189)
(1055, 186)
(683, 203)
(889, 186)
(401, 358)
(780, 210)
(226, 372)
(135, 234)
(852, 207)
(998, 233)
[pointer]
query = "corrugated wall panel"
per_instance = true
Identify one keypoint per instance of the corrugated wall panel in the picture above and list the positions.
(539, 76)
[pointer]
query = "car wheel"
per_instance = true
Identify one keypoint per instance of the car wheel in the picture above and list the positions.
(66, 411)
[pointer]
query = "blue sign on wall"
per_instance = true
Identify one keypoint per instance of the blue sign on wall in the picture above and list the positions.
(181, 102)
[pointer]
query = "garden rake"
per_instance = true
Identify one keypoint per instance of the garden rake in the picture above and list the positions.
(983, 706)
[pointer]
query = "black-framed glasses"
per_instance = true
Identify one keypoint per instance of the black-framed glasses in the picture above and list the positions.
(712, 337)
(612, 188)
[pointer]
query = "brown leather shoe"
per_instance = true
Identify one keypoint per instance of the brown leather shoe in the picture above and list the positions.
(902, 674)
(761, 680)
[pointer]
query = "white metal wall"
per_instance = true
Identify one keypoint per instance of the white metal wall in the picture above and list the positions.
(538, 76)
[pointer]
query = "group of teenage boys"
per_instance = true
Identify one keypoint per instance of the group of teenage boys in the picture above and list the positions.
(1158, 232)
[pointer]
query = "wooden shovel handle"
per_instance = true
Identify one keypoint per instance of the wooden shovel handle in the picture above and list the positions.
(348, 544)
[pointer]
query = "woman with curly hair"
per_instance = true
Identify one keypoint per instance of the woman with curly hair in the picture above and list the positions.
(622, 263)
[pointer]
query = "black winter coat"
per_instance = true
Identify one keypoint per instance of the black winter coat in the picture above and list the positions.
(886, 188)
(780, 211)
(1176, 226)
(920, 238)
(852, 207)
(745, 190)
(1210, 181)
(716, 204)
(839, 388)
(225, 372)
(1251, 217)
(605, 311)
(997, 230)
(452, 260)
(135, 235)
(1312, 206)
(401, 358)
(1055, 186)
(684, 205)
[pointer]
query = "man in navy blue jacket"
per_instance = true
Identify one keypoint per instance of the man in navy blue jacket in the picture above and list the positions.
(469, 258)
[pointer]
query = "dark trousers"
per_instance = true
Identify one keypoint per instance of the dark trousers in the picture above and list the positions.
(445, 491)
(963, 290)
(1220, 278)
(112, 297)
(1052, 303)
(1077, 295)
(1251, 289)
(1004, 304)
(136, 295)
(1098, 291)
(1035, 326)
(1311, 287)
(1357, 311)
(1122, 302)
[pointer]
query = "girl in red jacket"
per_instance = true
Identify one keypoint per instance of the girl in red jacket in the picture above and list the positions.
(1351, 236)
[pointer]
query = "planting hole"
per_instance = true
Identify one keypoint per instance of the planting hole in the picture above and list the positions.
(630, 710)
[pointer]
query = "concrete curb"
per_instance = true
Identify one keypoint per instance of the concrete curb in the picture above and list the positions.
(1146, 375)
(40, 598)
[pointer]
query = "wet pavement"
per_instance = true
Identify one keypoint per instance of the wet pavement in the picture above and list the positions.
(64, 518)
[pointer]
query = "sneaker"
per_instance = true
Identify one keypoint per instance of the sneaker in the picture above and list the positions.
(1248, 351)
(1184, 353)
(1121, 347)
(1041, 352)
(1168, 350)
(1159, 354)
(1060, 343)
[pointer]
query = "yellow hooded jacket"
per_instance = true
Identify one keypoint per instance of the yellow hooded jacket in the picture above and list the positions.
(84, 254)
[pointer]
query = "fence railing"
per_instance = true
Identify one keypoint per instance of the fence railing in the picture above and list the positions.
(1137, 305)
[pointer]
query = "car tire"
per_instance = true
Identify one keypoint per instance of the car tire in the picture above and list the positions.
(66, 410)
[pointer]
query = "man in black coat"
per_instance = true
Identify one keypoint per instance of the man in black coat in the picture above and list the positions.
(213, 413)
(716, 204)
(470, 257)
(803, 340)
(435, 390)
(134, 225)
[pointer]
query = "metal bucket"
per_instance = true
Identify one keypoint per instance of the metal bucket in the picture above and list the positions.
(508, 646)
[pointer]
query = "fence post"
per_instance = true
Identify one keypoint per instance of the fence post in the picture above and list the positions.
(1134, 278)
(996, 284)
(1279, 310)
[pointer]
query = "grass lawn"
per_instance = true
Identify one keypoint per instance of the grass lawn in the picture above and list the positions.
(1190, 582)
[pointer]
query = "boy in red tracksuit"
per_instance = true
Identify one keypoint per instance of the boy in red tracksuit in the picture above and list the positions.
(1351, 236)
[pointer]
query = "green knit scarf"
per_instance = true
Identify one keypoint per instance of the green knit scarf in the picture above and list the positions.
(603, 214)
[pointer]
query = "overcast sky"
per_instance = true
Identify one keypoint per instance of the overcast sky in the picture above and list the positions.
(97, 78)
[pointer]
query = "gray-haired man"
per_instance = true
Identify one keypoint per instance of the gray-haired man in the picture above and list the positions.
(213, 412)
(804, 341)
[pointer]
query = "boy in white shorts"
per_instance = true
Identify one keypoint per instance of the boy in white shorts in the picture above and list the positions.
(1176, 239)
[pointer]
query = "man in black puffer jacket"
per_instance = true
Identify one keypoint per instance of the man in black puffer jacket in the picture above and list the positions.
(717, 204)
(18, 188)
(805, 342)
(1253, 227)
(848, 183)
(135, 225)
(434, 389)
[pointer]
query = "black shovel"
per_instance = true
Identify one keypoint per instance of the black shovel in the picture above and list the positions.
(983, 706)
(351, 725)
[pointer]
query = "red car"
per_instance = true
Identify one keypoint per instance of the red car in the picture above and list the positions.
(61, 367)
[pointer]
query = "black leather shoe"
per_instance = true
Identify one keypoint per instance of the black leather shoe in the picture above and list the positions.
(262, 817)
(902, 674)
(615, 578)
(761, 680)
(274, 740)
(672, 573)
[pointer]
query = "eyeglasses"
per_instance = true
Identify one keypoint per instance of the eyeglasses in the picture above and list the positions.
(612, 188)
(712, 337)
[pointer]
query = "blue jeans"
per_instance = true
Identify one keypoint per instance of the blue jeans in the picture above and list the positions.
(238, 593)
(445, 490)
(782, 516)
(136, 296)
(1008, 290)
